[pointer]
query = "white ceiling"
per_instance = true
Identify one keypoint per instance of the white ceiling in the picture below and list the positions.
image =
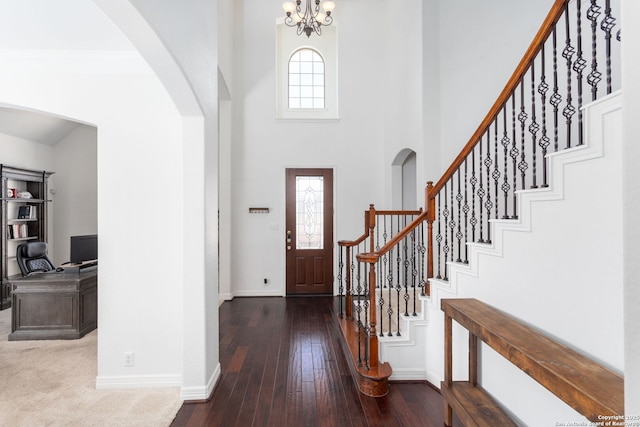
(34, 126)
(63, 25)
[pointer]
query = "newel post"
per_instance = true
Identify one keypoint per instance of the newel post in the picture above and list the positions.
(430, 205)
(371, 225)
(371, 259)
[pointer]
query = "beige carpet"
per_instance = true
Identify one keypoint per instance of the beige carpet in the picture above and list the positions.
(52, 383)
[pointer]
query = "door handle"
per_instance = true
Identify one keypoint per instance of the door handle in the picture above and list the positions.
(288, 240)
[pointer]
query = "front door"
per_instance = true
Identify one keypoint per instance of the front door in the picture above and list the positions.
(309, 231)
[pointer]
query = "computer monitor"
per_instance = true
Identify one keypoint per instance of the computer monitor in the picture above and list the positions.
(83, 248)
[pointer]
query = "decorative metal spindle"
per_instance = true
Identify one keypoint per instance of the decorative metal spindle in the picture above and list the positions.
(488, 204)
(594, 76)
(607, 25)
(466, 209)
(543, 87)
(481, 192)
(522, 117)
(385, 257)
(406, 277)
(390, 281)
(445, 248)
(534, 127)
(423, 250)
(473, 221)
(569, 110)
(340, 284)
(459, 232)
(496, 171)
(505, 144)
(366, 329)
(452, 221)
(555, 98)
(358, 318)
(439, 238)
(514, 155)
(578, 66)
(414, 271)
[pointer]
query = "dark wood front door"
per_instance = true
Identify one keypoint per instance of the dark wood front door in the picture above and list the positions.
(309, 231)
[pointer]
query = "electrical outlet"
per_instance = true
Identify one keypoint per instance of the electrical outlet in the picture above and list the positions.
(266, 282)
(128, 358)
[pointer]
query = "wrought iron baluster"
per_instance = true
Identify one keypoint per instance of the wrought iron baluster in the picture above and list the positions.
(452, 221)
(473, 181)
(569, 110)
(390, 281)
(555, 99)
(534, 127)
(488, 204)
(522, 117)
(480, 191)
(358, 316)
(406, 264)
(465, 209)
(607, 25)
(496, 171)
(594, 76)
(578, 66)
(505, 144)
(414, 271)
(340, 283)
(459, 232)
(514, 154)
(445, 248)
(423, 250)
(366, 329)
(543, 87)
(439, 238)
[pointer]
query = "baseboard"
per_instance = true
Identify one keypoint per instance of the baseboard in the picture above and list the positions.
(254, 293)
(137, 381)
(407, 374)
(200, 394)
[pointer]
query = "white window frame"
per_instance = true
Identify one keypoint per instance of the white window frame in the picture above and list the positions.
(289, 42)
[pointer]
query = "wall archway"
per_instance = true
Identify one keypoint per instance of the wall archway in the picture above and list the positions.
(403, 180)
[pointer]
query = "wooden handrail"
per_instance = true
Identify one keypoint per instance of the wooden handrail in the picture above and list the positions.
(373, 256)
(543, 33)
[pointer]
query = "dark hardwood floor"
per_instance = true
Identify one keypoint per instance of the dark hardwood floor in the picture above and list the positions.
(282, 365)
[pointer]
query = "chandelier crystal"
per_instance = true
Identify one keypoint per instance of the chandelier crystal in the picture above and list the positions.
(311, 20)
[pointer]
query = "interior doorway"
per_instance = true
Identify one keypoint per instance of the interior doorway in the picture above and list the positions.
(308, 237)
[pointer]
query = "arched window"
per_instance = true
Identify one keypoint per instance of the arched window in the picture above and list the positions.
(306, 79)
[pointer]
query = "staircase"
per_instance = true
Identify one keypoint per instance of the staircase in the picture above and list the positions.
(550, 254)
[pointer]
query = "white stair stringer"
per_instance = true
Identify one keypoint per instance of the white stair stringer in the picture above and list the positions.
(406, 354)
(591, 149)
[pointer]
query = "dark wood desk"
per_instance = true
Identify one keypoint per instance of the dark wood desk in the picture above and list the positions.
(53, 306)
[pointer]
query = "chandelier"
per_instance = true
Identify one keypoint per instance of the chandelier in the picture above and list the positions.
(312, 19)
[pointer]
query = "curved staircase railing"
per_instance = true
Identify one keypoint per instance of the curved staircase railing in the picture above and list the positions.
(538, 112)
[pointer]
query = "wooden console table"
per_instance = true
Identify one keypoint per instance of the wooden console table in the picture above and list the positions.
(56, 305)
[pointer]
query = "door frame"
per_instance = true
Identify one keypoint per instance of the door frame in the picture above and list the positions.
(334, 223)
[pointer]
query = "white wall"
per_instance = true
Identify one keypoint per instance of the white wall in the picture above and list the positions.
(560, 272)
(480, 44)
(379, 115)
(631, 202)
(74, 206)
(139, 134)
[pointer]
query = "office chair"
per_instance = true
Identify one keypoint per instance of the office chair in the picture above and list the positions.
(32, 257)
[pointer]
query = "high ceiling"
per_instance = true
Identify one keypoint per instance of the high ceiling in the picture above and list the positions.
(63, 25)
(34, 126)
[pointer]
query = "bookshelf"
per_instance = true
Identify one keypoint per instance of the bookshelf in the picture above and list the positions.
(23, 215)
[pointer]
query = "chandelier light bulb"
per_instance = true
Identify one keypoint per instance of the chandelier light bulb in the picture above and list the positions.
(320, 17)
(328, 6)
(288, 7)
